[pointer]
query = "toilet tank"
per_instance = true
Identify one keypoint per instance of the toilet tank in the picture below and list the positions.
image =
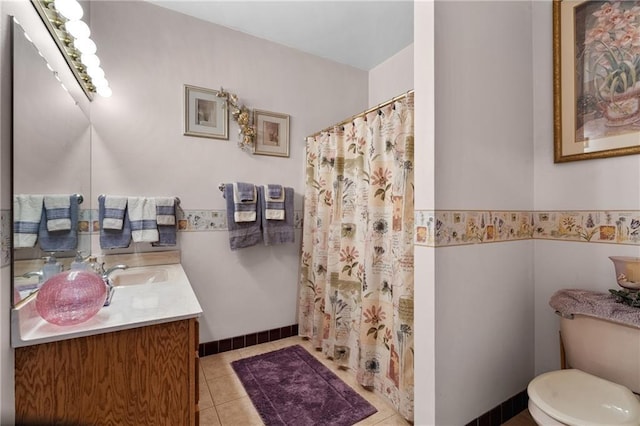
(603, 348)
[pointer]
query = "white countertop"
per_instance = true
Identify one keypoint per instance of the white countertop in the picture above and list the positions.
(132, 306)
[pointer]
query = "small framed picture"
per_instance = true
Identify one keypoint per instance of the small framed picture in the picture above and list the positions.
(205, 113)
(272, 133)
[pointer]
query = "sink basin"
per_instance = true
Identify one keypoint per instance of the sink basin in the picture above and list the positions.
(140, 275)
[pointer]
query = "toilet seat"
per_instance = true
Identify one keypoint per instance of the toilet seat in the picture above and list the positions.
(573, 397)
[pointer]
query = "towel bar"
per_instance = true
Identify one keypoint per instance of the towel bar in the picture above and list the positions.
(221, 187)
(103, 195)
(80, 198)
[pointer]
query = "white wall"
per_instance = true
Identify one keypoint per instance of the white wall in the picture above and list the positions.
(612, 183)
(392, 77)
(149, 53)
(483, 131)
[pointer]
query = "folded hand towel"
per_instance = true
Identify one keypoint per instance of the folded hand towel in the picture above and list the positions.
(245, 202)
(166, 219)
(114, 209)
(113, 238)
(278, 231)
(274, 197)
(166, 210)
(61, 240)
(58, 213)
(241, 234)
(245, 192)
(142, 214)
(27, 212)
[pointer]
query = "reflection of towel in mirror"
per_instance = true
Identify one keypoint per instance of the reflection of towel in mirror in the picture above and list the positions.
(142, 214)
(166, 219)
(274, 199)
(27, 212)
(114, 208)
(245, 202)
(113, 238)
(279, 231)
(58, 212)
(241, 234)
(64, 239)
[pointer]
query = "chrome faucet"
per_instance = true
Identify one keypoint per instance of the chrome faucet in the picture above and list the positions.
(107, 280)
(33, 274)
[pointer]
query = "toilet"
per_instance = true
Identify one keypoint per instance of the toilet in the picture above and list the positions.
(598, 387)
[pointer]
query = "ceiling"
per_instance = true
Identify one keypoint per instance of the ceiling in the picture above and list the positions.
(361, 33)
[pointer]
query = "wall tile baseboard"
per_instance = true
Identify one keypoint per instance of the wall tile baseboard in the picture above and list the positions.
(252, 339)
(444, 228)
(503, 412)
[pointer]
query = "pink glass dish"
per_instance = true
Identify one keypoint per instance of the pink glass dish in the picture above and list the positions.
(71, 297)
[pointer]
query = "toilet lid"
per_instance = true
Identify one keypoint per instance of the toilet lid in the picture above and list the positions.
(576, 398)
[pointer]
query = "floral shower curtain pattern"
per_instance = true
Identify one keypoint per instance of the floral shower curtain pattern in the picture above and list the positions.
(356, 282)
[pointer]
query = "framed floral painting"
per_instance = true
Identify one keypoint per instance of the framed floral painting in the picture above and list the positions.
(596, 79)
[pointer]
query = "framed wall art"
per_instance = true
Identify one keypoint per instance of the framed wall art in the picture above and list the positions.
(205, 113)
(596, 79)
(272, 133)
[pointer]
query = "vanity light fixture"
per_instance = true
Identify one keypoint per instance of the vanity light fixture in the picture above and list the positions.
(72, 35)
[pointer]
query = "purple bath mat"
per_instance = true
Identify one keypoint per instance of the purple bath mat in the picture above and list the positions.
(290, 387)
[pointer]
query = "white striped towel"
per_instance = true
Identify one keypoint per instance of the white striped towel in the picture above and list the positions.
(58, 212)
(114, 209)
(142, 215)
(245, 207)
(166, 210)
(274, 204)
(27, 212)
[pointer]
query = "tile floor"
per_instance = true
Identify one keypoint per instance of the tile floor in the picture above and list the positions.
(224, 402)
(522, 419)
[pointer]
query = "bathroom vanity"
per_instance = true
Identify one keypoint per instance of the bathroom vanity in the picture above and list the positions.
(134, 363)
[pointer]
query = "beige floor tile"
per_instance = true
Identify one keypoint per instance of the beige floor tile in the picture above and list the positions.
(239, 412)
(209, 417)
(206, 400)
(226, 388)
(219, 365)
(394, 420)
(522, 419)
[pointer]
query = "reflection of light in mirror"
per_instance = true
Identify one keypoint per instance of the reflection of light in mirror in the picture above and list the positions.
(78, 29)
(105, 91)
(90, 60)
(85, 45)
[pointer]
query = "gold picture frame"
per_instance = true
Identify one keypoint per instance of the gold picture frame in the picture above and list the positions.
(596, 101)
(272, 133)
(205, 113)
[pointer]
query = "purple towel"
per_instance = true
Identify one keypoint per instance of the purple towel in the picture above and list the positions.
(278, 231)
(594, 304)
(241, 234)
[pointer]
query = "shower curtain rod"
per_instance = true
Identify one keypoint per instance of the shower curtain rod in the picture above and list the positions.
(353, 117)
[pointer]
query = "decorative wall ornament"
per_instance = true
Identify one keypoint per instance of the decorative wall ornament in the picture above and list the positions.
(242, 115)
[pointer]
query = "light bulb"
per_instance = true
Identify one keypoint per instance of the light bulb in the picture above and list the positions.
(105, 91)
(70, 9)
(77, 29)
(90, 60)
(85, 46)
(99, 82)
(95, 72)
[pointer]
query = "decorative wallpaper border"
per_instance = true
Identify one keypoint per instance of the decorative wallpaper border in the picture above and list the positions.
(444, 228)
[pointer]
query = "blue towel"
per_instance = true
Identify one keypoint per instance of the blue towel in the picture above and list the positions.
(113, 238)
(166, 220)
(58, 212)
(245, 202)
(274, 191)
(27, 214)
(114, 209)
(63, 239)
(278, 231)
(241, 234)
(246, 192)
(274, 205)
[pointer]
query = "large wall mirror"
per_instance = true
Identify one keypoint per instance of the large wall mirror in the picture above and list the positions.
(51, 139)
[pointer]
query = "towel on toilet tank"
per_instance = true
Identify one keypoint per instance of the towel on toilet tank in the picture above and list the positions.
(60, 240)
(142, 214)
(241, 234)
(594, 304)
(27, 212)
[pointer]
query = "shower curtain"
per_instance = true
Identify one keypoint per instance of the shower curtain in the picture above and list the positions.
(356, 281)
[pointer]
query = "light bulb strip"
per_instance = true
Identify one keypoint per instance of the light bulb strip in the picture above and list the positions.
(54, 22)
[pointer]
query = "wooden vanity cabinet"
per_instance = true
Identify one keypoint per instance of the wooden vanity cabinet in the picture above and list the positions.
(140, 376)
